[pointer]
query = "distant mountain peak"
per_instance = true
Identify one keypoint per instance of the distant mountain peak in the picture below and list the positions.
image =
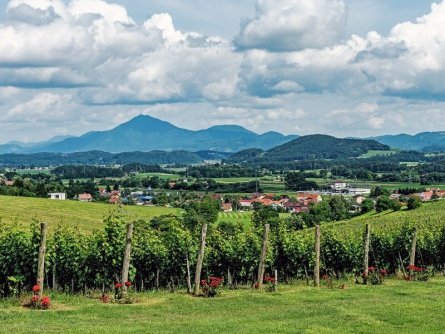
(229, 128)
(146, 133)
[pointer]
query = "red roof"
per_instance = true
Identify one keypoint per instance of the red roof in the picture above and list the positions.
(85, 197)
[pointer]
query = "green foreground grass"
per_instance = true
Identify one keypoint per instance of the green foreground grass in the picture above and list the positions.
(395, 307)
(85, 216)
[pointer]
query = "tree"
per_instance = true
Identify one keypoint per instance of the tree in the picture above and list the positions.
(395, 205)
(414, 202)
(379, 191)
(339, 208)
(297, 181)
(383, 203)
(367, 205)
(201, 214)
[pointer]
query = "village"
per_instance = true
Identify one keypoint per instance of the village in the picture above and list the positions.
(298, 202)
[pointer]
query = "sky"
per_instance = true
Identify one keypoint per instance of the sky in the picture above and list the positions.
(341, 67)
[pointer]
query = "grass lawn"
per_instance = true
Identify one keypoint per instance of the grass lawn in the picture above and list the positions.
(395, 307)
(85, 216)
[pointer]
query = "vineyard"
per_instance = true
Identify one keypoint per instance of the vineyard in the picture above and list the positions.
(161, 247)
(86, 217)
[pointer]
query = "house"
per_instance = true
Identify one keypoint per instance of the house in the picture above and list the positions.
(395, 196)
(246, 203)
(426, 195)
(309, 198)
(227, 207)
(9, 183)
(296, 207)
(57, 196)
(145, 199)
(358, 199)
(359, 191)
(85, 197)
(115, 197)
(338, 185)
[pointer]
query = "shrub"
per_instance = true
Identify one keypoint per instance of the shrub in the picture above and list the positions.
(414, 202)
(210, 286)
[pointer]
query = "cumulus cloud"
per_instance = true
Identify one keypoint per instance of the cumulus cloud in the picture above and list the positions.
(83, 59)
(292, 25)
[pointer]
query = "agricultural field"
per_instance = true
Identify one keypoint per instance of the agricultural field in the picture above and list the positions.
(162, 176)
(375, 153)
(395, 307)
(85, 216)
(243, 217)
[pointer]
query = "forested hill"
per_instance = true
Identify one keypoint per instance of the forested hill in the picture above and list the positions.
(312, 147)
(98, 158)
(425, 141)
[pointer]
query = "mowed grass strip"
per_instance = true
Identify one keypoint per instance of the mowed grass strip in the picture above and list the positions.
(82, 215)
(395, 307)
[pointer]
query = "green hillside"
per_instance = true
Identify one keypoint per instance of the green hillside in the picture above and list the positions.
(85, 216)
(312, 147)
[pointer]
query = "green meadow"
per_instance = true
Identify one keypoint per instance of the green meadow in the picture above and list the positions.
(395, 307)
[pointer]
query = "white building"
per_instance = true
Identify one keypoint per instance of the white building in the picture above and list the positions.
(339, 185)
(58, 196)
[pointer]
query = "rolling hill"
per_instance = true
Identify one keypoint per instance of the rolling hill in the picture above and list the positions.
(311, 147)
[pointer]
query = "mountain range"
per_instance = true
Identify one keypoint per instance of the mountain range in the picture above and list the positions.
(145, 133)
(425, 141)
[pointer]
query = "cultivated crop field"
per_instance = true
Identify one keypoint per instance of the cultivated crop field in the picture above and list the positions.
(395, 307)
(85, 216)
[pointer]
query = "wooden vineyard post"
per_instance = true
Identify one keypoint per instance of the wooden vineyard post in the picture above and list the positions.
(366, 254)
(200, 259)
(275, 282)
(126, 262)
(262, 264)
(41, 261)
(317, 256)
(189, 278)
(412, 256)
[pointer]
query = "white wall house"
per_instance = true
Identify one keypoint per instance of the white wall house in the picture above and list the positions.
(59, 196)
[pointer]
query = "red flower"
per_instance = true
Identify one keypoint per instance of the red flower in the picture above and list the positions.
(127, 284)
(383, 272)
(45, 302)
(371, 269)
(35, 298)
(215, 281)
(36, 288)
(269, 279)
(411, 267)
(118, 285)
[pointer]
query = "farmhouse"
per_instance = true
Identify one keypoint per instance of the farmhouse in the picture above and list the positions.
(57, 196)
(227, 207)
(338, 185)
(115, 197)
(296, 207)
(246, 203)
(85, 197)
(308, 198)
